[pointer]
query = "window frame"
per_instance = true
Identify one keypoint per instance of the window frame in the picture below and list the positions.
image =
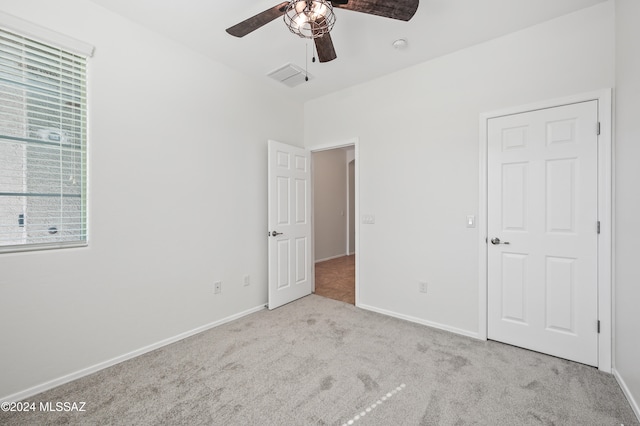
(34, 34)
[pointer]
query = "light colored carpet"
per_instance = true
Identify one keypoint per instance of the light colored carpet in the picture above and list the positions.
(322, 362)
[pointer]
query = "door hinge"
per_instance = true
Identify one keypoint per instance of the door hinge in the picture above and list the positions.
(598, 227)
(598, 326)
(598, 129)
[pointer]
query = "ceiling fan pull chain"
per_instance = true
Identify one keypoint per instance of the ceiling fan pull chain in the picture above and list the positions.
(313, 58)
(306, 62)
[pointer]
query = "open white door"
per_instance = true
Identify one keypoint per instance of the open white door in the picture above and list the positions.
(289, 223)
(543, 231)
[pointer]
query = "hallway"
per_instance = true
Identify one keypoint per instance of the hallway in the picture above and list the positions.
(336, 279)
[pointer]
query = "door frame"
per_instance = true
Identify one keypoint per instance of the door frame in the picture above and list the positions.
(325, 147)
(349, 226)
(605, 214)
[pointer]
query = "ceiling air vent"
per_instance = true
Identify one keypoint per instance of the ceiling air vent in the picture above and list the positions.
(289, 75)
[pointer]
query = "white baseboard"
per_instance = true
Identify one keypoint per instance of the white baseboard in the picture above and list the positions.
(27, 393)
(627, 393)
(330, 258)
(422, 321)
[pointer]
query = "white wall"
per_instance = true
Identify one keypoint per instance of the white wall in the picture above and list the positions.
(419, 160)
(177, 200)
(330, 203)
(627, 194)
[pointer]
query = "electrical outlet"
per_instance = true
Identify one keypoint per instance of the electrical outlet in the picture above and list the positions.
(247, 280)
(217, 287)
(422, 286)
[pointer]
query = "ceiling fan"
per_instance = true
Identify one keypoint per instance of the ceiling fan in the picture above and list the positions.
(314, 19)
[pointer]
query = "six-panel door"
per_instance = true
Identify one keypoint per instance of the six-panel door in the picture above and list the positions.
(542, 206)
(289, 182)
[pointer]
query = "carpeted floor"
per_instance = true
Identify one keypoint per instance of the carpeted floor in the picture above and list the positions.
(318, 361)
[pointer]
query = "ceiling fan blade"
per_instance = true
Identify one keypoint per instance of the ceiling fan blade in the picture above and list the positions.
(248, 25)
(324, 46)
(395, 9)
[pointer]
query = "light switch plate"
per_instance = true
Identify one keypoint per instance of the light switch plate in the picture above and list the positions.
(471, 221)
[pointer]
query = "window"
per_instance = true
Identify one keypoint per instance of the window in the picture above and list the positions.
(43, 145)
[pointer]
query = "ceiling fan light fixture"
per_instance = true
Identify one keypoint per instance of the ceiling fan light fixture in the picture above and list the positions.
(309, 19)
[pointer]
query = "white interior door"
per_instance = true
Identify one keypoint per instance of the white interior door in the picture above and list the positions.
(289, 221)
(543, 231)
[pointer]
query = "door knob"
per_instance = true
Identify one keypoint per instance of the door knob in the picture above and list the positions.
(496, 241)
(275, 233)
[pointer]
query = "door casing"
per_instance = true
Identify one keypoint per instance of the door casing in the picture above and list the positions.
(605, 215)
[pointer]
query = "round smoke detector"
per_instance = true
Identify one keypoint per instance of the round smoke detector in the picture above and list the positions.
(400, 44)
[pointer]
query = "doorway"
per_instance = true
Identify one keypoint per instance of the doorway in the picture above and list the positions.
(334, 224)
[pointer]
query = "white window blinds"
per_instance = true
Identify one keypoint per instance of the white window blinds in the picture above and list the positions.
(42, 145)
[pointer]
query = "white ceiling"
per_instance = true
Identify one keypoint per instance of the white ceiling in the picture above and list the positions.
(362, 42)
